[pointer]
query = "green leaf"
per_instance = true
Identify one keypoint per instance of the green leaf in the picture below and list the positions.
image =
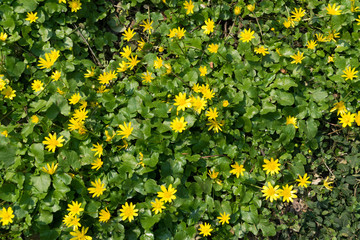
(151, 186)
(267, 228)
(7, 155)
(284, 98)
(42, 182)
(147, 221)
(37, 151)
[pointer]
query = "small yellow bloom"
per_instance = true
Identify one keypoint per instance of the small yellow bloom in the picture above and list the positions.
(56, 75)
(147, 77)
(237, 10)
(178, 125)
(50, 169)
(311, 44)
(98, 149)
(128, 211)
(98, 188)
(75, 5)
(347, 119)
(298, 57)
(158, 63)
(213, 48)
(224, 218)
(203, 71)
(340, 107)
(6, 216)
(272, 166)
(287, 193)
(225, 103)
(158, 206)
(189, 6)
(90, 73)
(303, 181)
(333, 10)
(147, 25)
(247, 35)
(261, 50)
(209, 26)
(37, 86)
(167, 195)
(291, 120)
(125, 131)
(237, 169)
(104, 215)
(96, 164)
(205, 229)
(126, 52)
(75, 208)
(212, 174)
(3, 36)
(75, 98)
(251, 7)
(34, 119)
(298, 14)
(31, 17)
(349, 73)
(129, 34)
(5, 133)
(52, 142)
(327, 184)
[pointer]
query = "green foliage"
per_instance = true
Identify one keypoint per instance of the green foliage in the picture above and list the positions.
(263, 91)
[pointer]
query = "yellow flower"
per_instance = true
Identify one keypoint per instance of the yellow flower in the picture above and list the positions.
(205, 229)
(332, 35)
(106, 77)
(9, 93)
(225, 103)
(303, 181)
(90, 73)
(212, 113)
(50, 169)
(37, 86)
(104, 215)
(209, 26)
(340, 107)
(347, 119)
(251, 7)
(287, 193)
(147, 77)
(213, 48)
(62, 1)
(50, 59)
(75, 5)
(327, 184)
(128, 212)
(349, 73)
(3, 36)
(168, 68)
(6, 216)
(108, 137)
(311, 44)
(141, 44)
(357, 118)
(98, 188)
(189, 6)
(74, 208)
(182, 102)
(198, 104)
(247, 35)
(272, 166)
(158, 206)
(298, 57)
(289, 22)
(56, 75)
(178, 125)
(75, 98)
(212, 174)
(126, 130)
(298, 14)
(126, 52)
(237, 10)
(128, 34)
(133, 62)
(330, 58)
(237, 169)
(320, 37)
(75, 124)
(215, 125)
(98, 149)
(147, 25)
(80, 114)
(34, 119)
(271, 192)
(167, 195)
(173, 33)
(358, 20)
(203, 71)
(52, 142)
(80, 235)
(5, 133)
(333, 10)
(2, 84)
(224, 218)
(122, 66)
(96, 164)
(141, 158)
(59, 91)
(180, 33)
(158, 63)
(161, 49)
(71, 221)
(291, 120)
(31, 17)
(261, 50)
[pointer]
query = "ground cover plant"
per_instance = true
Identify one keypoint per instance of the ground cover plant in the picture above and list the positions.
(179, 119)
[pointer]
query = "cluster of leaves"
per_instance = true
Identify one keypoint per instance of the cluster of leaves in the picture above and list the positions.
(262, 87)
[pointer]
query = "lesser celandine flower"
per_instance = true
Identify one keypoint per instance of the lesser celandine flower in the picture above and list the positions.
(311, 44)
(209, 26)
(128, 211)
(291, 120)
(297, 14)
(272, 166)
(237, 169)
(3, 36)
(189, 6)
(215, 125)
(125, 131)
(333, 9)
(6, 216)
(203, 71)
(270, 191)
(158, 206)
(80, 234)
(97, 189)
(212, 174)
(98, 149)
(31, 17)
(250, 7)
(104, 215)
(261, 50)
(75, 5)
(213, 48)
(237, 10)
(327, 184)
(158, 63)
(247, 35)
(347, 119)
(75, 208)
(212, 113)
(182, 102)
(37, 86)
(303, 181)
(287, 193)
(205, 229)
(147, 77)
(50, 169)
(298, 57)
(52, 142)
(75, 98)
(167, 195)
(340, 107)
(178, 125)
(96, 164)
(128, 34)
(126, 52)
(147, 25)
(349, 73)
(198, 104)
(224, 218)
